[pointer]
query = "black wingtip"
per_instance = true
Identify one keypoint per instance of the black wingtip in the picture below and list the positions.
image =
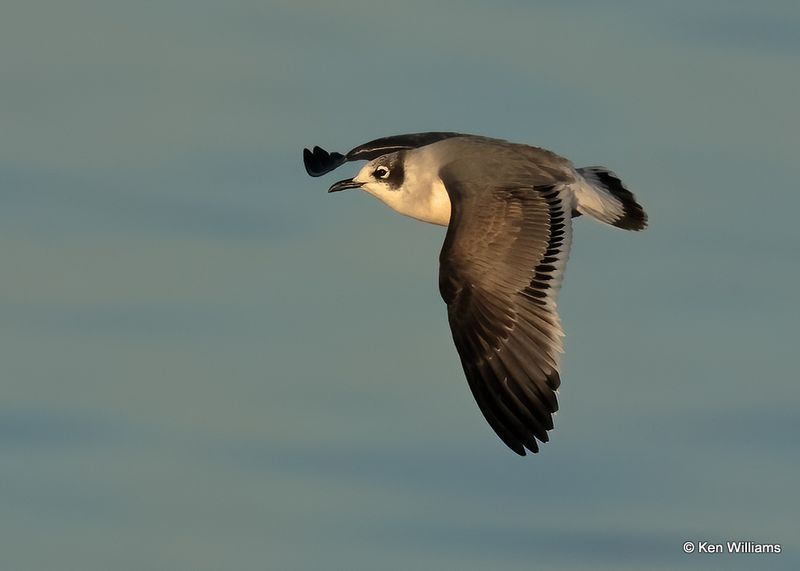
(319, 161)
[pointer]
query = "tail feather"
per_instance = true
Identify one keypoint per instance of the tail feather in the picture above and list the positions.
(602, 195)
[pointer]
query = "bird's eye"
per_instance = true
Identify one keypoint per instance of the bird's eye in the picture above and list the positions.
(381, 172)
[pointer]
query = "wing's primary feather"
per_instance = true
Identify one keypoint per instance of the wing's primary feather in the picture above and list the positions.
(319, 161)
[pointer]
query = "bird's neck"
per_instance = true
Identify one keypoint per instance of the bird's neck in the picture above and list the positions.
(422, 196)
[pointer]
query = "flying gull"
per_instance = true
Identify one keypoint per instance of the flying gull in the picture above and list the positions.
(508, 209)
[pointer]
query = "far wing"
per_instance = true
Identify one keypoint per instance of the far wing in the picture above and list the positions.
(319, 161)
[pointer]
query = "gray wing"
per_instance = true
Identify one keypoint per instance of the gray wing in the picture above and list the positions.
(500, 271)
(319, 161)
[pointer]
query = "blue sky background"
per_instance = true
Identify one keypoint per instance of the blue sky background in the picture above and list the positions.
(208, 363)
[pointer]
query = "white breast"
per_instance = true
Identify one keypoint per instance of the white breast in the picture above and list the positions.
(421, 195)
(424, 196)
(435, 208)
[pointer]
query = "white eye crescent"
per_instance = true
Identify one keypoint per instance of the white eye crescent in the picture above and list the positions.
(381, 172)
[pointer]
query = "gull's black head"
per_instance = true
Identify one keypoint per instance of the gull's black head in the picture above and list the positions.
(388, 170)
(384, 174)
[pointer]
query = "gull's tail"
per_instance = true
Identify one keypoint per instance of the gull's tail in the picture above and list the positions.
(602, 195)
